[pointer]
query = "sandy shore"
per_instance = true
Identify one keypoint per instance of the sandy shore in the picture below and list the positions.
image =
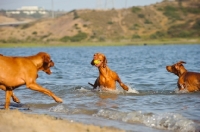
(16, 121)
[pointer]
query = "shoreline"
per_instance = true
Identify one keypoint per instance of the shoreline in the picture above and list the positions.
(26, 122)
(113, 43)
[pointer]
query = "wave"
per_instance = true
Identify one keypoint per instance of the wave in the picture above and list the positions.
(168, 121)
(63, 109)
(164, 121)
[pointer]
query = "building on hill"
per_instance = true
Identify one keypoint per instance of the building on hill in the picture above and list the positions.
(28, 10)
(32, 10)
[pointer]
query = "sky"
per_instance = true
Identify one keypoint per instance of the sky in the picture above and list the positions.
(68, 5)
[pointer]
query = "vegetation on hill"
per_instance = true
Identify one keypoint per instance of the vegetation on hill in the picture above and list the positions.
(165, 20)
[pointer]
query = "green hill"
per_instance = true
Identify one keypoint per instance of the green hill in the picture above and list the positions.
(165, 20)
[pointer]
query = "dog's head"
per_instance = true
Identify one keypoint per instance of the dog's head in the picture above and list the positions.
(177, 68)
(99, 60)
(47, 62)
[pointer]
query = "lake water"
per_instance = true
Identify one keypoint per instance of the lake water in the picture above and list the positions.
(153, 103)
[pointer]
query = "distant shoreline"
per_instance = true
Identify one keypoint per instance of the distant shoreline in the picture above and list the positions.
(83, 44)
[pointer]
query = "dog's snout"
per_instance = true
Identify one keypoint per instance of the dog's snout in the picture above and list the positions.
(168, 68)
(51, 63)
(92, 62)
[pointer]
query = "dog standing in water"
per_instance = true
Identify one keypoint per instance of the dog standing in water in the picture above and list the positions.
(107, 78)
(189, 81)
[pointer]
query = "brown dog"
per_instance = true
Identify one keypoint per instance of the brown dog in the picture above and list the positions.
(187, 80)
(107, 78)
(18, 71)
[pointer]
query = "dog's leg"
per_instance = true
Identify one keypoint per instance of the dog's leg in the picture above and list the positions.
(36, 87)
(181, 85)
(122, 84)
(8, 95)
(15, 99)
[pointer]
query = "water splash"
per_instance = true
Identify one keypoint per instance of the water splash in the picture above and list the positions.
(59, 108)
(181, 91)
(170, 121)
(118, 90)
(132, 90)
(82, 89)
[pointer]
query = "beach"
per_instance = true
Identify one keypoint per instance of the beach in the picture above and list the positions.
(14, 120)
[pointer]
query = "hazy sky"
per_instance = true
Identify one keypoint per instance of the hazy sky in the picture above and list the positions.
(68, 5)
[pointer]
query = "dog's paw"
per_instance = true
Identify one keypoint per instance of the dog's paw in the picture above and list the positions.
(15, 99)
(59, 100)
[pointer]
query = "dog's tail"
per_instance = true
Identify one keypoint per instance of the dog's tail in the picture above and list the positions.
(91, 84)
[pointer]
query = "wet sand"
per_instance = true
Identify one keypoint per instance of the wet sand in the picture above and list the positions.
(14, 120)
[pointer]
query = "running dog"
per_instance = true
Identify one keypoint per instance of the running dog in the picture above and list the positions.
(18, 71)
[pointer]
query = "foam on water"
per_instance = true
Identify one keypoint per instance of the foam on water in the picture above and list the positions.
(167, 121)
(132, 90)
(58, 108)
(108, 90)
(181, 91)
(118, 90)
(63, 109)
(170, 121)
(82, 89)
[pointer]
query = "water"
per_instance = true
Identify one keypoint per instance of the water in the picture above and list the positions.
(153, 103)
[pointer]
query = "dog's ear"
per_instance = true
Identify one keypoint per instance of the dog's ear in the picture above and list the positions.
(105, 61)
(182, 62)
(179, 64)
(47, 58)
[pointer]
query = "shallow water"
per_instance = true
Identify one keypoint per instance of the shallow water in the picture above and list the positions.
(153, 103)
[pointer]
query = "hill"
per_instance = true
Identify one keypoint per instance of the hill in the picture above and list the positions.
(165, 20)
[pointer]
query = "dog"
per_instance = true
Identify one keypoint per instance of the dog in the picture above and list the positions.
(17, 71)
(107, 78)
(189, 81)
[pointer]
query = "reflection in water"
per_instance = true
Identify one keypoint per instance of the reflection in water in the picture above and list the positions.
(108, 96)
(104, 100)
